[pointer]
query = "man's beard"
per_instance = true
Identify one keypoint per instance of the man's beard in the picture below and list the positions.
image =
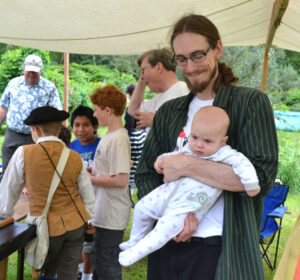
(199, 86)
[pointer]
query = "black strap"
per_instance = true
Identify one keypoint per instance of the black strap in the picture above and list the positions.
(62, 181)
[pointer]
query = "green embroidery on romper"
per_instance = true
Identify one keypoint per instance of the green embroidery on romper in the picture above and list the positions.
(200, 197)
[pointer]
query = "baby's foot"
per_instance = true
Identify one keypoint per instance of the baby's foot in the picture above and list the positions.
(127, 244)
(124, 259)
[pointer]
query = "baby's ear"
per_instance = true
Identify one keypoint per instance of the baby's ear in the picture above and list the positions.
(225, 139)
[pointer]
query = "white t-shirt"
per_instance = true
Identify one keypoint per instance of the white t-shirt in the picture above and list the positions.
(177, 90)
(112, 157)
(212, 222)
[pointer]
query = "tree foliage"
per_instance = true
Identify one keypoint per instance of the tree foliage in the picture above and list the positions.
(282, 78)
(289, 158)
(247, 64)
(293, 59)
(87, 71)
(83, 79)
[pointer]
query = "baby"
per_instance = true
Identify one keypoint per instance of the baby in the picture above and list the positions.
(170, 203)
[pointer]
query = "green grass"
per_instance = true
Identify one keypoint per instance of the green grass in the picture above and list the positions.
(138, 270)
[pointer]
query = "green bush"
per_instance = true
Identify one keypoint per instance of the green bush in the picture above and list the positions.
(293, 98)
(83, 79)
(290, 99)
(289, 159)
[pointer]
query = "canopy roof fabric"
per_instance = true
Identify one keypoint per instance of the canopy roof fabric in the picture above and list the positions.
(134, 26)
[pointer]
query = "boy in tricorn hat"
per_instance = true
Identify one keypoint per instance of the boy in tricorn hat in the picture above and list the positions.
(31, 166)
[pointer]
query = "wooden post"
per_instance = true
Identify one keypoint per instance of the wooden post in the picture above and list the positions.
(3, 269)
(264, 73)
(279, 8)
(35, 274)
(66, 84)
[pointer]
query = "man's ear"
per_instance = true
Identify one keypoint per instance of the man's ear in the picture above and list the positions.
(219, 49)
(159, 66)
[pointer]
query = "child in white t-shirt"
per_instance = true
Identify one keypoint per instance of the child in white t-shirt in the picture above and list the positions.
(109, 177)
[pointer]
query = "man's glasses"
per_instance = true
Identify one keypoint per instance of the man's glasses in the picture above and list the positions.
(197, 57)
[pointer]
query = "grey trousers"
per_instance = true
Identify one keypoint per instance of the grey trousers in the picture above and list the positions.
(12, 141)
(64, 255)
(105, 254)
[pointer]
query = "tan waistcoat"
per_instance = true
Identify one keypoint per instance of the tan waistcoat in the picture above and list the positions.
(62, 215)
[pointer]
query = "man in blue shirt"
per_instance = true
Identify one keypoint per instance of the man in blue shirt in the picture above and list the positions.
(21, 96)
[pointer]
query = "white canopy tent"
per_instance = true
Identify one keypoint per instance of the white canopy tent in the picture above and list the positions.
(134, 26)
(116, 27)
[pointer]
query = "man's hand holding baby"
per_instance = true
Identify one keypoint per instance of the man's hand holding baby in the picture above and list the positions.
(157, 166)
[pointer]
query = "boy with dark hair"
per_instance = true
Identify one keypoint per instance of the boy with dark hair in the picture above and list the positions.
(110, 179)
(31, 166)
(84, 126)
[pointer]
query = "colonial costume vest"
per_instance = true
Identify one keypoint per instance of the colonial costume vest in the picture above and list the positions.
(63, 215)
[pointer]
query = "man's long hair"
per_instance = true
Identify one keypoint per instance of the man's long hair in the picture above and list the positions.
(203, 26)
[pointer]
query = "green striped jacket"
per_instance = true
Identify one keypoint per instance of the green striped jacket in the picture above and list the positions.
(251, 132)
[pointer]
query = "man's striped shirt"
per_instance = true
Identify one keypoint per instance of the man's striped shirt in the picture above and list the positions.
(251, 132)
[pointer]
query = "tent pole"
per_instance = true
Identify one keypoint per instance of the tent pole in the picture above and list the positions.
(264, 73)
(278, 11)
(66, 84)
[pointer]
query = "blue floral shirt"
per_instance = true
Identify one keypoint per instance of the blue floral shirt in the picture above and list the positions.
(20, 99)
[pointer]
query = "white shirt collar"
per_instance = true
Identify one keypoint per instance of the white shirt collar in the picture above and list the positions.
(49, 138)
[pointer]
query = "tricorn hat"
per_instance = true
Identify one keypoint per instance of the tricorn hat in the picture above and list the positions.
(45, 114)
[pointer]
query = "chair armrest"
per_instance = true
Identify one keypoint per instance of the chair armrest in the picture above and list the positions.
(278, 212)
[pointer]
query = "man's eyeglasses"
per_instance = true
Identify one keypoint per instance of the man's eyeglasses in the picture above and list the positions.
(197, 57)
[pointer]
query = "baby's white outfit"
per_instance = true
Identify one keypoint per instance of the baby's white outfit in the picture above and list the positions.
(170, 203)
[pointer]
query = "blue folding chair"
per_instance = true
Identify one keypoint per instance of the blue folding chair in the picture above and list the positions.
(274, 210)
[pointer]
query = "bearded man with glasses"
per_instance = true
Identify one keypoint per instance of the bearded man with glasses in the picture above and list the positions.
(224, 244)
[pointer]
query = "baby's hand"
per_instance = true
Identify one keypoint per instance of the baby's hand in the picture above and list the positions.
(254, 192)
(157, 166)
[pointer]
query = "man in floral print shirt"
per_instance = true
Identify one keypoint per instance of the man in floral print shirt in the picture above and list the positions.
(21, 96)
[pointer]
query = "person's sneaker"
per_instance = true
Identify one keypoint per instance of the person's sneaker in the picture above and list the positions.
(79, 275)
